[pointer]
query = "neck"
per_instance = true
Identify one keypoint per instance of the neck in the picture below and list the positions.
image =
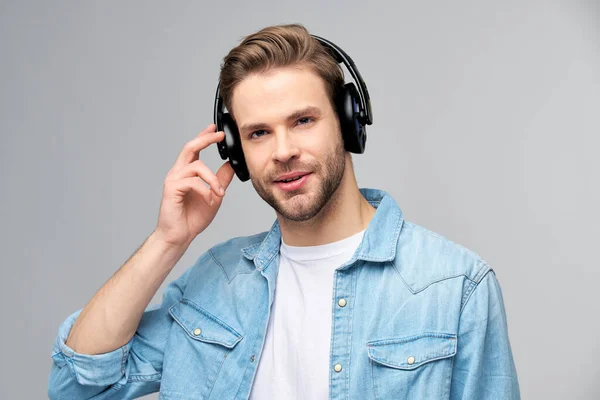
(345, 214)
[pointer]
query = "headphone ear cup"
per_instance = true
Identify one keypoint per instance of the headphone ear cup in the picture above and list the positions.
(234, 147)
(353, 131)
(222, 145)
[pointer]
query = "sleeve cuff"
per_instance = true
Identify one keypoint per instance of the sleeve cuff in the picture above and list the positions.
(98, 369)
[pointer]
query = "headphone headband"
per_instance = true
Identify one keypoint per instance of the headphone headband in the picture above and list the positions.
(366, 115)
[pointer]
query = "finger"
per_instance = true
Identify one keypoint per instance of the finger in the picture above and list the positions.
(191, 149)
(182, 158)
(186, 185)
(198, 168)
(225, 175)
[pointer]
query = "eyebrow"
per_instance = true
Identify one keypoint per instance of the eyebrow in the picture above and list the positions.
(292, 117)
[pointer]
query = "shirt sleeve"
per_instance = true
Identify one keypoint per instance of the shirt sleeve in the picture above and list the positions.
(484, 367)
(132, 370)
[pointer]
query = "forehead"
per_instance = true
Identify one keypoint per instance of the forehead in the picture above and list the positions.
(262, 97)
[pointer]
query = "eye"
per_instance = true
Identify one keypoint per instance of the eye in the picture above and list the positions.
(256, 134)
(305, 120)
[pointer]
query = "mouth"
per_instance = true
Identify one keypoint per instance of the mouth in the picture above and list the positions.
(294, 176)
(292, 181)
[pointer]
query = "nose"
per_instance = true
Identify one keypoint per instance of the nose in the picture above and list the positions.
(285, 148)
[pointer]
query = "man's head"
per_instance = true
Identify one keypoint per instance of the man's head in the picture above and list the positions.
(280, 86)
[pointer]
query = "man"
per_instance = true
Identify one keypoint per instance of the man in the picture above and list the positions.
(342, 298)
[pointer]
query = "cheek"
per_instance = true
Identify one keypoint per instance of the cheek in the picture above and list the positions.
(255, 160)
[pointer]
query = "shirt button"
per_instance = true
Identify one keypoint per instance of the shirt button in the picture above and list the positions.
(197, 331)
(342, 302)
(411, 360)
(337, 367)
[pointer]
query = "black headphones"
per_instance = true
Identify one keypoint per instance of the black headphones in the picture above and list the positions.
(353, 108)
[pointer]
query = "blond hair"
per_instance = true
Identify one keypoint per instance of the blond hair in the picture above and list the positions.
(274, 47)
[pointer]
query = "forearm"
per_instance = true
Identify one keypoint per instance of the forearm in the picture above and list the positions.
(111, 317)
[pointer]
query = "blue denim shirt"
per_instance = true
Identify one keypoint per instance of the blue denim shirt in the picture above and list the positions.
(424, 318)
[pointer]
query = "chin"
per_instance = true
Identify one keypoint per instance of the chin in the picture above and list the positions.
(299, 207)
(298, 215)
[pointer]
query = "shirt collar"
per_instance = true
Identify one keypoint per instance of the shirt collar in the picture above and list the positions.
(378, 243)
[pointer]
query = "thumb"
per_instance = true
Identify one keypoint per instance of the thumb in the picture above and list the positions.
(225, 174)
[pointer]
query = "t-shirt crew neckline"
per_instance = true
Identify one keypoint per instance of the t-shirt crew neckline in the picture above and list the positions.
(313, 253)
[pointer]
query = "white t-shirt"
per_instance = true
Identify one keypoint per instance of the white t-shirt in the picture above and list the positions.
(295, 358)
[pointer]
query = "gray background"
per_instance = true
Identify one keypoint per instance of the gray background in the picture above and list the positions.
(486, 131)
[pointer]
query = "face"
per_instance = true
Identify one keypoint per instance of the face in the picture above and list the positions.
(289, 130)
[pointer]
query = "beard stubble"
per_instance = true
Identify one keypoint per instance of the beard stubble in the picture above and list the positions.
(297, 206)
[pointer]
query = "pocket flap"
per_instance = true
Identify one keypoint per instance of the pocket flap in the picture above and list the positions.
(202, 325)
(411, 352)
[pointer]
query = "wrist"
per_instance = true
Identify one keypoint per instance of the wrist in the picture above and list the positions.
(166, 249)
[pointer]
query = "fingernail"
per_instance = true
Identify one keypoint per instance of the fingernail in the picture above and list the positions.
(221, 190)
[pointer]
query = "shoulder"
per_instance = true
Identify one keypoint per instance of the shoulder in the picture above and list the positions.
(424, 257)
(236, 245)
(227, 258)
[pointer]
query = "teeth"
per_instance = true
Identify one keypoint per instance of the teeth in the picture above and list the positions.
(292, 179)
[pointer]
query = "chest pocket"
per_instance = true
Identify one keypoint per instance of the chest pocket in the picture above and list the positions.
(412, 367)
(201, 325)
(197, 348)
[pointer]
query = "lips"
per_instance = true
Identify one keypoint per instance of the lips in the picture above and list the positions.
(297, 182)
(291, 177)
